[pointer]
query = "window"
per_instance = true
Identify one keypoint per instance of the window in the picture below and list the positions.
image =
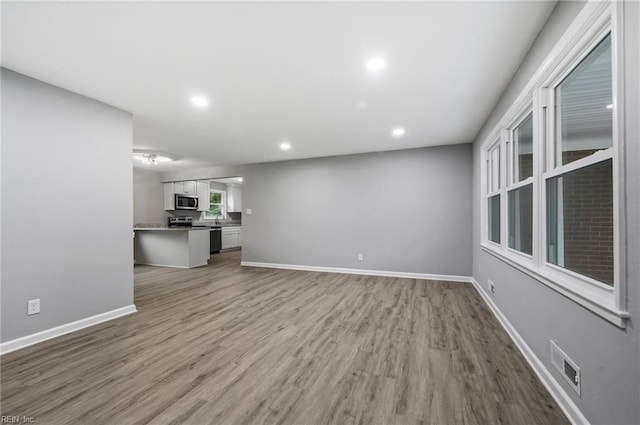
(580, 221)
(583, 106)
(520, 191)
(216, 204)
(579, 185)
(493, 194)
(494, 218)
(522, 150)
(521, 219)
(551, 210)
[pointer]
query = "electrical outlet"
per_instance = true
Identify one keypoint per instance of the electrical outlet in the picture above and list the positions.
(33, 307)
(248, 211)
(492, 288)
(360, 257)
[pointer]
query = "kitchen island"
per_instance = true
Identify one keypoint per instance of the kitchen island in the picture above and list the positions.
(182, 247)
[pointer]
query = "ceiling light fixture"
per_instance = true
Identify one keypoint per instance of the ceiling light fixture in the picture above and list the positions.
(398, 132)
(375, 64)
(610, 106)
(285, 146)
(199, 101)
(152, 157)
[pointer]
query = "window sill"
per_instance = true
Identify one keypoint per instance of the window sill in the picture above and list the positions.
(598, 300)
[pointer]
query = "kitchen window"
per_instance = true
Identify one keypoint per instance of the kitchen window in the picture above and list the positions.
(217, 205)
(550, 172)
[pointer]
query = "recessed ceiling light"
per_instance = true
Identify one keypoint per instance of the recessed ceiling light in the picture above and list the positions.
(610, 106)
(375, 64)
(398, 132)
(285, 146)
(199, 101)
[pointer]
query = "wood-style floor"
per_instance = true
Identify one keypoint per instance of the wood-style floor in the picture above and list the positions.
(228, 345)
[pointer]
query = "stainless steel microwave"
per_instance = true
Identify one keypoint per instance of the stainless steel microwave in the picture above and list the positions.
(186, 202)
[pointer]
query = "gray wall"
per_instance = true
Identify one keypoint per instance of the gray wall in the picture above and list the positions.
(608, 356)
(406, 211)
(148, 197)
(68, 242)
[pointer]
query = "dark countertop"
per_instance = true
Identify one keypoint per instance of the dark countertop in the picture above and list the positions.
(185, 228)
(170, 229)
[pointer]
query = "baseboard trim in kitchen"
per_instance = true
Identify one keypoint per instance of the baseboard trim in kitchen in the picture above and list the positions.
(25, 341)
(407, 275)
(571, 411)
(165, 265)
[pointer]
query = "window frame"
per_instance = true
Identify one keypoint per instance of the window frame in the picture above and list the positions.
(590, 27)
(552, 170)
(511, 174)
(488, 187)
(508, 136)
(223, 205)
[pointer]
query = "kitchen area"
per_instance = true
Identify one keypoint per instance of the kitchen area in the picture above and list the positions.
(203, 218)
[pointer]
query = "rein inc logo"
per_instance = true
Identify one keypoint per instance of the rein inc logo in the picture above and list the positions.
(5, 419)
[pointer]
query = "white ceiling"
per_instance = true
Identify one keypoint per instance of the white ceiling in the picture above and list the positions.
(275, 71)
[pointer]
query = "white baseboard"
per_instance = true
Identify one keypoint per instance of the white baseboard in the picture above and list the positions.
(166, 265)
(25, 341)
(425, 276)
(561, 397)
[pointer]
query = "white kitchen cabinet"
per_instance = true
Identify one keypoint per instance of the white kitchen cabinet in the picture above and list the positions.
(234, 199)
(231, 237)
(228, 240)
(203, 196)
(186, 188)
(169, 197)
(190, 188)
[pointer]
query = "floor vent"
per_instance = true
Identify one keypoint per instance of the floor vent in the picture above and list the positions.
(567, 367)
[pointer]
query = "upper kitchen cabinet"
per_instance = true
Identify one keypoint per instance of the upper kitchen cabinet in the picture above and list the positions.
(234, 198)
(186, 188)
(203, 196)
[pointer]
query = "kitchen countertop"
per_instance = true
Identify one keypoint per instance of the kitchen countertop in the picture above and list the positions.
(220, 226)
(171, 229)
(181, 229)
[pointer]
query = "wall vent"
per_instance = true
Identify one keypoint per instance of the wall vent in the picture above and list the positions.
(567, 367)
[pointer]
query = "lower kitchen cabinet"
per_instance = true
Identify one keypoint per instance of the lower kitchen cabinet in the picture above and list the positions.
(231, 237)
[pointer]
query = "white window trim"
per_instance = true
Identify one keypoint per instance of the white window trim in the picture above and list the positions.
(590, 26)
(507, 135)
(511, 183)
(522, 183)
(487, 186)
